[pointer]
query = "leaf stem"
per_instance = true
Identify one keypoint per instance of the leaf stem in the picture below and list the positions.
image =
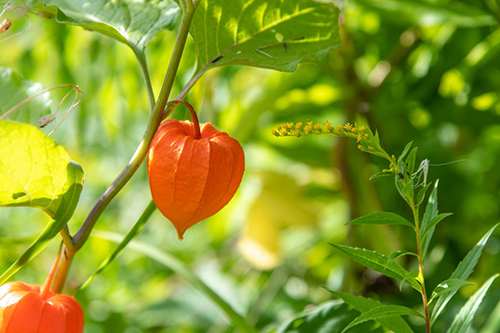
(145, 73)
(48, 282)
(154, 121)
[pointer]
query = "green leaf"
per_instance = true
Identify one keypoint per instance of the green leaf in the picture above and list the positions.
(464, 318)
(432, 224)
(410, 163)
(447, 286)
(463, 271)
(421, 194)
(273, 34)
(14, 90)
(429, 13)
(378, 262)
(136, 229)
(330, 316)
(431, 211)
(395, 324)
(37, 172)
(183, 271)
(405, 151)
(381, 312)
(131, 22)
(382, 218)
(380, 174)
(401, 253)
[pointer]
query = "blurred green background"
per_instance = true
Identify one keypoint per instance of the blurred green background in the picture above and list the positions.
(426, 71)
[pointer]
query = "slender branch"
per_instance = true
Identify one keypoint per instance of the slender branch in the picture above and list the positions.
(144, 68)
(66, 236)
(154, 121)
(194, 116)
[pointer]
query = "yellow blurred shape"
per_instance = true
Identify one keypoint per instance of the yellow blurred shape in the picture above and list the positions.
(452, 83)
(323, 94)
(419, 117)
(484, 102)
(281, 203)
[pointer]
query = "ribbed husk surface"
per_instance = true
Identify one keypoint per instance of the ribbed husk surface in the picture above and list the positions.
(192, 179)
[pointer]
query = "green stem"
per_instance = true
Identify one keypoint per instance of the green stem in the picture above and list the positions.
(421, 266)
(154, 121)
(145, 73)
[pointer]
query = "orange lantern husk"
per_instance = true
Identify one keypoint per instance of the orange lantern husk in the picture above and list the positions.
(193, 178)
(27, 308)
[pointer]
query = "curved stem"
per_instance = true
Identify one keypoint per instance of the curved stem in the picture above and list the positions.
(154, 121)
(197, 134)
(144, 68)
(48, 281)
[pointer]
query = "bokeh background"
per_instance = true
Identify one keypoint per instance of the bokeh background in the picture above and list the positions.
(421, 71)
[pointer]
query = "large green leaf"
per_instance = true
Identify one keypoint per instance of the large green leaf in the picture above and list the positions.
(276, 34)
(37, 172)
(381, 312)
(379, 263)
(464, 318)
(430, 13)
(131, 22)
(363, 305)
(462, 272)
(14, 90)
(331, 317)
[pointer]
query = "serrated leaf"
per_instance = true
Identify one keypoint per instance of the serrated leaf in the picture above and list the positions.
(377, 262)
(431, 211)
(274, 34)
(447, 286)
(14, 89)
(37, 172)
(136, 229)
(432, 224)
(382, 218)
(395, 324)
(131, 22)
(462, 272)
(381, 312)
(330, 316)
(464, 318)
(405, 151)
(428, 13)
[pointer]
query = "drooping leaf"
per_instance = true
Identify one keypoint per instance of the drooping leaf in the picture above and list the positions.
(395, 324)
(431, 211)
(462, 272)
(331, 317)
(428, 13)
(421, 194)
(275, 34)
(14, 90)
(432, 224)
(464, 318)
(131, 22)
(381, 312)
(380, 174)
(136, 229)
(378, 262)
(37, 172)
(382, 218)
(447, 286)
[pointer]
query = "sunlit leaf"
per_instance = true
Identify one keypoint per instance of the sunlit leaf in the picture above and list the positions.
(37, 172)
(462, 272)
(395, 324)
(274, 34)
(134, 23)
(14, 89)
(384, 311)
(464, 318)
(379, 263)
(448, 286)
(382, 218)
(428, 13)
(432, 224)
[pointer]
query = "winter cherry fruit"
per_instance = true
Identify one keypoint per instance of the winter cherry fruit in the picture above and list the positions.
(31, 309)
(193, 171)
